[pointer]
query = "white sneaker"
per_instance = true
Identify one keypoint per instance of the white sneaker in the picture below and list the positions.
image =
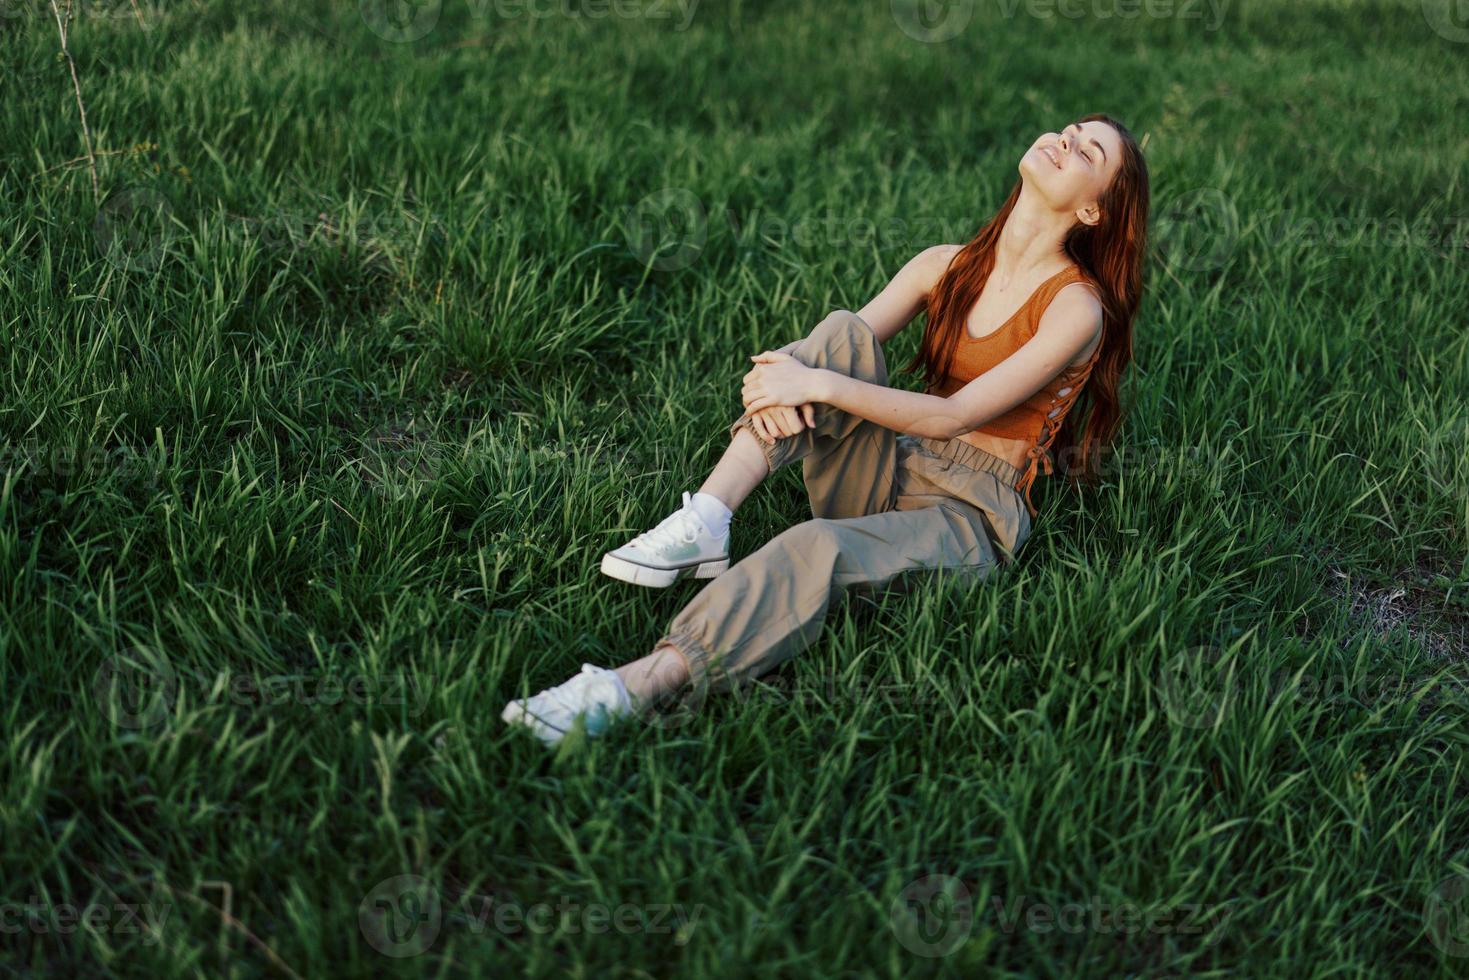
(680, 545)
(595, 695)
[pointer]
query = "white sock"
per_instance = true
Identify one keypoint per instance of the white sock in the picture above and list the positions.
(712, 512)
(625, 696)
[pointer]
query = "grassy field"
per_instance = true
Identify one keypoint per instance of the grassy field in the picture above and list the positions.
(379, 327)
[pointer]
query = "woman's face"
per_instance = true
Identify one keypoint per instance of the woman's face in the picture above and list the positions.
(1072, 168)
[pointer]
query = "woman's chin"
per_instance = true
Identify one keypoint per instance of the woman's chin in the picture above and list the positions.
(1030, 170)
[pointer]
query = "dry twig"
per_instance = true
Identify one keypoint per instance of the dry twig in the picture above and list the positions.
(63, 24)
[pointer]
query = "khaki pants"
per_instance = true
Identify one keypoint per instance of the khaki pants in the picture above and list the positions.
(883, 505)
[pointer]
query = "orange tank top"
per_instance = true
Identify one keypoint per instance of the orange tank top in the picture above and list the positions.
(1037, 419)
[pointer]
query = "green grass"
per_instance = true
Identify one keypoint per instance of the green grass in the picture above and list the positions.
(322, 426)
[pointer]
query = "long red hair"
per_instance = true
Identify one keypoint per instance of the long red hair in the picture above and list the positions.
(1111, 252)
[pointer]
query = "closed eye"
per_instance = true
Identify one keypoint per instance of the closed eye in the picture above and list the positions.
(1079, 147)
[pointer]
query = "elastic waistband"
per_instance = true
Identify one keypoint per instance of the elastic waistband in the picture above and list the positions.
(972, 457)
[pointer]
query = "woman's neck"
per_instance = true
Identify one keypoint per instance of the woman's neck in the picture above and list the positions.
(1032, 239)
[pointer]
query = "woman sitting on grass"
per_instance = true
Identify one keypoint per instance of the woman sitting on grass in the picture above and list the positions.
(1033, 313)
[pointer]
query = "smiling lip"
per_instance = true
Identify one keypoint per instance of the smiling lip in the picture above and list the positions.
(1050, 153)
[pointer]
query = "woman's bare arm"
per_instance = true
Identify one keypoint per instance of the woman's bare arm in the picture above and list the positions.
(900, 300)
(904, 297)
(1069, 325)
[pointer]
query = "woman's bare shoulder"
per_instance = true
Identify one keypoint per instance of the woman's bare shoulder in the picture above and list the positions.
(943, 253)
(934, 262)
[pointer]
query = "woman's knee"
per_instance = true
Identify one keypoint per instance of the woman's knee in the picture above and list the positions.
(844, 324)
(848, 344)
(808, 545)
